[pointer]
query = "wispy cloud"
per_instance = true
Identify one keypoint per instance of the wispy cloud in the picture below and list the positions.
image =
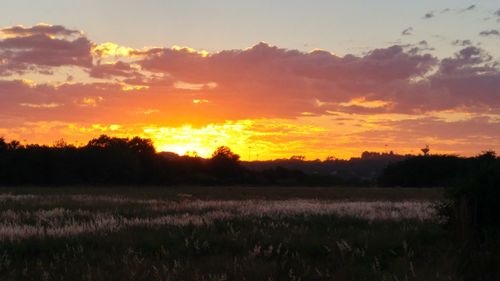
(470, 8)
(462, 43)
(407, 31)
(491, 32)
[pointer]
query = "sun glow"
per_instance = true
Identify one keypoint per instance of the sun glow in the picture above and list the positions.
(257, 139)
(202, 140)
(109, 49)
(363, 102)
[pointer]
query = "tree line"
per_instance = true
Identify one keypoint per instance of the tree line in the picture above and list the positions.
(133, 161)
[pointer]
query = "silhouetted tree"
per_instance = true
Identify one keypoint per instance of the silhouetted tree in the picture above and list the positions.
(424, 171)
(224, 153)
(426, 150)
(14, 145)
(142, 146)
(225, 164)
(3, 145)
(472, 212)
(61, 144)
(330, 158)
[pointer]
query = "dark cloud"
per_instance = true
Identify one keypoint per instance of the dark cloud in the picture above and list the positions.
(39, 29)
(116, 69)
(491, 32)
(41, 47)
(408, 31)
(497, 15)
(470, 8)
(429, 15)
(420, 47)
(471, 59)
(462, 43)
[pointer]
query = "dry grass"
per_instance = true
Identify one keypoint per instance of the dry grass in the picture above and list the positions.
(193, 234)
(61, 222)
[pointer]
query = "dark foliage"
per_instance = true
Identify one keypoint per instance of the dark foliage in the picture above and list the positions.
(479, 191)
(357, 170)
(472, 213)
(123, 161)
(424, 171)
(471, 210)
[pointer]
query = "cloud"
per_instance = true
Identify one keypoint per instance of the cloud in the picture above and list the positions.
(497, 15)
(116, 69)
(421, 47)
(408, 31)
(41, 47)
(39, 29)
(462, 43)
(429, 15)
(249, 83)
(470, 58)
(263, 59)
(295, 80)
(470, 8)
(491, 32)
(180, 85)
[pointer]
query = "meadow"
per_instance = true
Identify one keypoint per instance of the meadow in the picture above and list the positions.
(222, 233)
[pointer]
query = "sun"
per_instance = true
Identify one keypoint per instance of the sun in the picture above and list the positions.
(185, 149)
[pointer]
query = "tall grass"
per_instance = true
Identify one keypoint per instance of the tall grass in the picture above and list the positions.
(122, 237)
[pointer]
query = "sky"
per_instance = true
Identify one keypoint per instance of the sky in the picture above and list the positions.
(269, 79)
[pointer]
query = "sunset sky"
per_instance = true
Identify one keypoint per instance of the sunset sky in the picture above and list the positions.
(269, 79)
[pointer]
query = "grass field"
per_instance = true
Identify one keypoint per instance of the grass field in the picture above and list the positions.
(222, 233)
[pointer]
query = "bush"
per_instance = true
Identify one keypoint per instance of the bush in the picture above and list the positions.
(472, 213)
(424, 171)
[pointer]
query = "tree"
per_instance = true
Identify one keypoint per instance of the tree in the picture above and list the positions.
(3, 145)
(13, 145)
(61, 143)
(330, 158)
(472, 211)
(225, 164)
(426, 150)
(224, 153)
(104, 141)
(142, 146)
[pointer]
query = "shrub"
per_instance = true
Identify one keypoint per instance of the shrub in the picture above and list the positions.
(472, 213)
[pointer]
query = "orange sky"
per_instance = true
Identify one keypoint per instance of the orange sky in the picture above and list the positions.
(264, 102)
